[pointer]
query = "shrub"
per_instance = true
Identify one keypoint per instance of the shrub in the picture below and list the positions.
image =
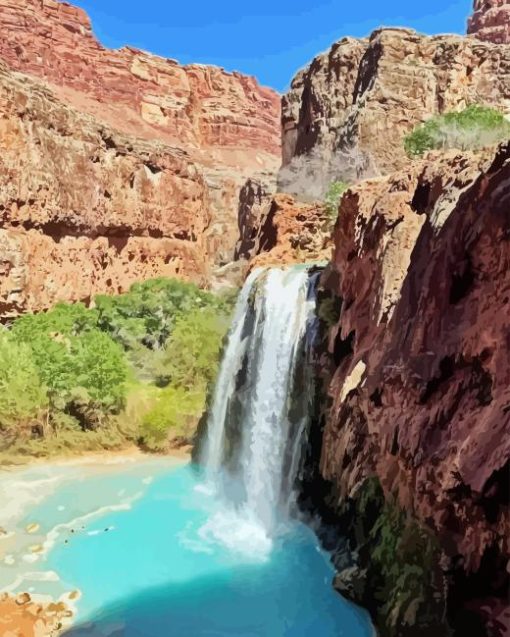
(82, 368)
(93, 372)
(403, 562)
(332, 200)
(192, 353)
(469, 129)
(147, 313)
(174, 416)
(23, 398)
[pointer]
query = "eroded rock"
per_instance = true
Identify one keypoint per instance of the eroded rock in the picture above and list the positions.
(347, 113)
(417, 371)
(491, 21)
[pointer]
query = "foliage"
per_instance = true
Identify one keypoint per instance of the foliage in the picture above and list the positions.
(175, 415)
(81, 366)
(403, 559)
(469, 129)
(328, 310)
(332, 199)
(23, 398)
(75, 377)
(191, 356)
(146, 314)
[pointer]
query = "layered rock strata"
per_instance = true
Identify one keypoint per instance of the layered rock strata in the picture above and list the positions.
(278, 230)
(226, 124)
(491, 21)
(347, 113)
(85, 209)
(415, 450)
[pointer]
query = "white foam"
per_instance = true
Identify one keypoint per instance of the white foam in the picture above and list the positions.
(36, 576)
(238, 533)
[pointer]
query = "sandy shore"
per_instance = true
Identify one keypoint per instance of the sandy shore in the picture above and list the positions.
(128, 454)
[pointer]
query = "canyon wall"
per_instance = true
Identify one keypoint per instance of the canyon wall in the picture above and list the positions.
(347, 113)
(105, 145)
(491, 21)
(278, 230)
(85, 209)
(416, 401)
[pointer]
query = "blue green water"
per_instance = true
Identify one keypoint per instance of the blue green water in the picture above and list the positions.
(155, 555)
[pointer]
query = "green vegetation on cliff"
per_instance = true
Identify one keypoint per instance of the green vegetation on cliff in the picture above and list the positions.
(470, 129)
(135, 367)
(332, 199)
(400, 577)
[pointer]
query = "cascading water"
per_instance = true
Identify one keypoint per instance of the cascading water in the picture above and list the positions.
(261, 406)
(179, 559)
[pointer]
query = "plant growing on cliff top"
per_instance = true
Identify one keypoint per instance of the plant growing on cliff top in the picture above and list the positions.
(332, 199)
(472, 128)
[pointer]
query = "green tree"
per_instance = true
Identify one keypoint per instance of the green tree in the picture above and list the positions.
(173, 417)
(470, 129)
(23, 398)
(192, 353)
(147, 313)
(74, 359)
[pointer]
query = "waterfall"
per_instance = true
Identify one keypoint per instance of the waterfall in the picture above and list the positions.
(261, 403)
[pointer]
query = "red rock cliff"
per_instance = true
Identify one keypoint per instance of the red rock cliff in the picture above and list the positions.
(227, 124)
(85, 209)
(418, 372)
(491, 21)
(347, 113)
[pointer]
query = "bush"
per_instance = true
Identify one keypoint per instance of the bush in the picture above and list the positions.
(147, 313)
(332, 200)
(23, 398)
(174, 417)
(99, 372)
(192, 354)
(474, 127)
(82, 368)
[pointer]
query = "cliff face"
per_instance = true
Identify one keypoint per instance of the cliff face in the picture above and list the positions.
(491, 21)
(347, 113)
(85, 209)
(221, 125)
(278, 230)
(417, 373)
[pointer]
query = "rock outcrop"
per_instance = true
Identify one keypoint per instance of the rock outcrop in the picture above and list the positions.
(85, 209)
(278, 230)
(491, 21)
(416, 368)
(134, 145)
(347, 113)
(23, 617)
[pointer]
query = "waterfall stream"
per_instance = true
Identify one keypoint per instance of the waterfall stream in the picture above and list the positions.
(261, 405)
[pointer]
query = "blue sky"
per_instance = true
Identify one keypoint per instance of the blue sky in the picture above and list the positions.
(270, 39)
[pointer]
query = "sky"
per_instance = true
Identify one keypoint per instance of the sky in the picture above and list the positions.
(270, 39)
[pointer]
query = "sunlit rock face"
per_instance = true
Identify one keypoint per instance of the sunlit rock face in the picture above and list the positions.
(417, 364)
(279, 230)
(86, 209)
(347, 113)
(206, 130)
(491, 21)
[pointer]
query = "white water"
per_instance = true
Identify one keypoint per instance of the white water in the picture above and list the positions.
(265, 411)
